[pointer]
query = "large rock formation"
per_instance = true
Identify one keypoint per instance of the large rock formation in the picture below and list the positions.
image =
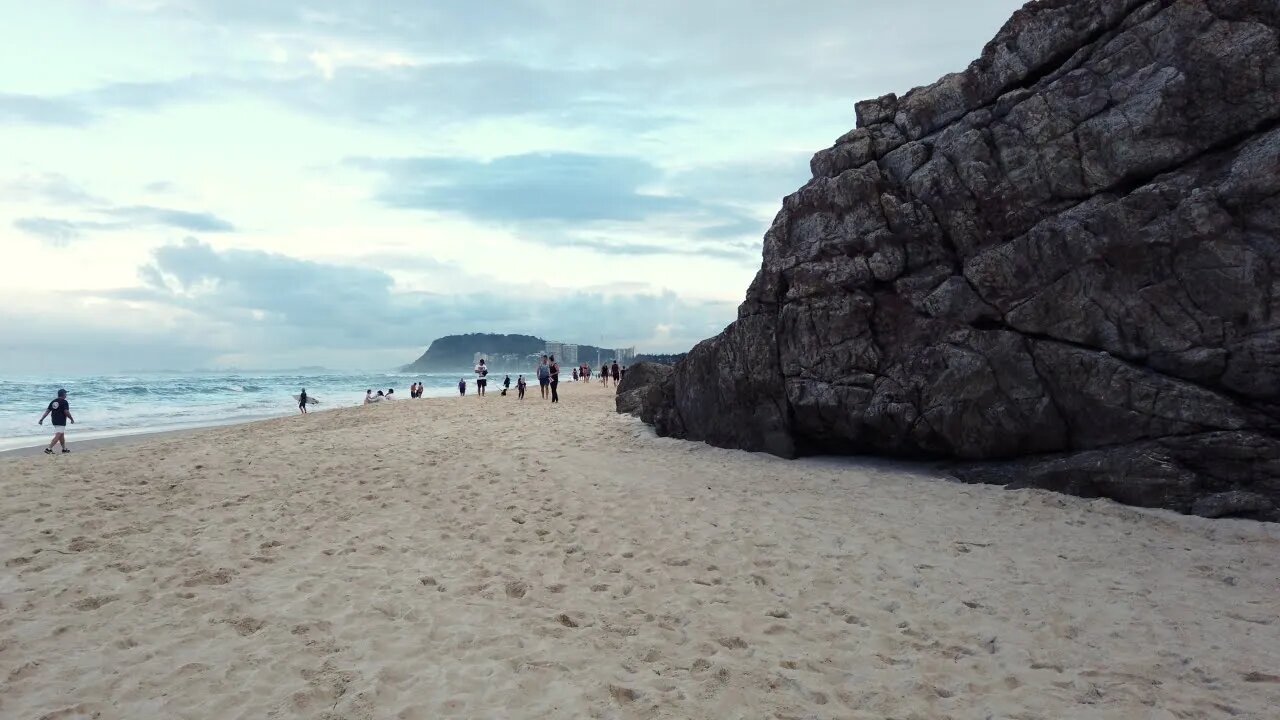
(1065, 257)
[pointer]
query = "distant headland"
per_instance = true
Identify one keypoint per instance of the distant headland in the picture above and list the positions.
(460, 352)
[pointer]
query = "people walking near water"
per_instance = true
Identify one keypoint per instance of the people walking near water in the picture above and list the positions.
(60, 410)
(520, 386)
(462, 386)
(604, 374)
(616, 372)
(555, 379)
(544, 377)
(506, 383)
(482, 375)
(302, 402)
(575, 374)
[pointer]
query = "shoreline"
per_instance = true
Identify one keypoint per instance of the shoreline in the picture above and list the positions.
(127, 436)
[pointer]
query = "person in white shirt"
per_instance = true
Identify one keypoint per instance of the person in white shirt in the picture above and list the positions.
(482, 373)
(368, 397)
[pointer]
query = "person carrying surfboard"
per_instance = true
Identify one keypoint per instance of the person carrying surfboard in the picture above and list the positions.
(302, 402)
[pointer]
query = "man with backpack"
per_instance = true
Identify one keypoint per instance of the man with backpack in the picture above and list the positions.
(544, 377)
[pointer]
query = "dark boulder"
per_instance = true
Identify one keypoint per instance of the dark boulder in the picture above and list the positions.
(640, 391)
(1066, 256)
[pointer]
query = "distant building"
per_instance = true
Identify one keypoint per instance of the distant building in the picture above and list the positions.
(568, 355)
(554, 348)
(624, 356)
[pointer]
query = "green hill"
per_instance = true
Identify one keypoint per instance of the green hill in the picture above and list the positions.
(454, 353)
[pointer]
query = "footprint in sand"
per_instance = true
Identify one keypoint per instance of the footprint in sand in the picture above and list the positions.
(221, 576)
(95, 602)
(246, 626)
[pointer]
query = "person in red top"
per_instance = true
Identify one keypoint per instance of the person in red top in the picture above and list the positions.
(60, 409)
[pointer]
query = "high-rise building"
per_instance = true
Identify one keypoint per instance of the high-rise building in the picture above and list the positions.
(568, 354)
(555, 348)
(624, 356)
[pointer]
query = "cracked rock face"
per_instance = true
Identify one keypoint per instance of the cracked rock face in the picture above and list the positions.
(1065, 258)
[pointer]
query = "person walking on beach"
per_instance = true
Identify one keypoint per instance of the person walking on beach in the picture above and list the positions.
(520, 386)
(555, 379)
(544, 377)
(575, 374)
(462, 386)
(302, 402)
(60, 409)
(617, 374)
(506, 383)
(482, 374)
(604, 374)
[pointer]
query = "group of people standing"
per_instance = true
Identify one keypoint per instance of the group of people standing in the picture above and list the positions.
(607, 371)
(547, 372)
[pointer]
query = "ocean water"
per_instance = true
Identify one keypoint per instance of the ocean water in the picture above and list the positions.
(110, 405)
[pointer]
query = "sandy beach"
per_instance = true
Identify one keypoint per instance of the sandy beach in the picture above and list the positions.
(485, 558)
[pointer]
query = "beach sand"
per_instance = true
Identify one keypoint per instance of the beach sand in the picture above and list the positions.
(489, 558)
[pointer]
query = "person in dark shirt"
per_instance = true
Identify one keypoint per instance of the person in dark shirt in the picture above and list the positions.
(617, 374)
(302, 402)
(60, 409)
(555, 379)
(520, 386)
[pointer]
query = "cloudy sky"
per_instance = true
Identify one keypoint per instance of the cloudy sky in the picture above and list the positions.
(274, 183)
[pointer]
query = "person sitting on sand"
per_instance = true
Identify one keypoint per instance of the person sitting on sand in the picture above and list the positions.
(379, 397)
(391, 392)
(302, 402)
(60, 409)
(520, 385)
(462, 386)
(368, 397)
